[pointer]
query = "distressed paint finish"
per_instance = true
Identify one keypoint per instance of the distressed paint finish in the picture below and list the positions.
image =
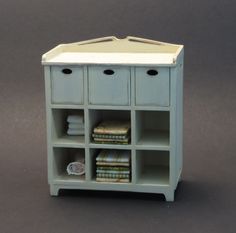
(67, 88)
(153, 104)
(152, 90)
(109, 89)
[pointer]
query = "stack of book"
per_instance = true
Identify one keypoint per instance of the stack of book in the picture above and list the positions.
(117, 132)
(75, 125)
(113, 166)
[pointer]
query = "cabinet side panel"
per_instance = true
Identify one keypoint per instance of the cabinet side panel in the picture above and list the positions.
(173, 126)
(177, 120)
(48, 122)
(180, 116)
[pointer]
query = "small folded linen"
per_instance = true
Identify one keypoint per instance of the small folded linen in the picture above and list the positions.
(75, 119)
(76, 168)
(76, 126)
(75, 132)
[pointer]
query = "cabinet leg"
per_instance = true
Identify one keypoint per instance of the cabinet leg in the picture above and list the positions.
(54, 190)
(170, 196)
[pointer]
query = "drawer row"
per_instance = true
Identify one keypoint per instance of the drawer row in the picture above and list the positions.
(110, 85)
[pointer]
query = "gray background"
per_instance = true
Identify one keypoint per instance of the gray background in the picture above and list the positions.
(205, 200)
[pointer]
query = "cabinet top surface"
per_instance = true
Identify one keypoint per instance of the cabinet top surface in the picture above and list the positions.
(111, 50)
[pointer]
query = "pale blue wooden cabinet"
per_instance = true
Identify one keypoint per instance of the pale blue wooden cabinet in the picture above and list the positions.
(135, 79)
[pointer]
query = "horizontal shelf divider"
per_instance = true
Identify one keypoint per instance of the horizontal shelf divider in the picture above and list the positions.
(151, 108)
(66, 183)
(152, 147)
(68, 145)
(66, 106)
(109, 107)
(69, 141)
(64, 178)
(110, 146)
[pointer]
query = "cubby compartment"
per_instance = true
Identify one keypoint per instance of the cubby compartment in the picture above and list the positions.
(114, 168)
(152, 129)
(97, 117)
(60, 127)
(152, 167)
(62, 157)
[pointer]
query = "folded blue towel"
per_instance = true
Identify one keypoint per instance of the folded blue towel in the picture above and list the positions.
(76, 126)
(75, 131)
(75, 119)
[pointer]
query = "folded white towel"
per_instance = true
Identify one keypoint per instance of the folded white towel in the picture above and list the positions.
(75, 131)
(76, 126)
(75, 119)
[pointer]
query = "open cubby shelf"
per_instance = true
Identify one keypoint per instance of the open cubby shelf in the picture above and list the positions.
(149, 148)
(97, 116)
(61, 158)
(152, 167)
(152, 128)
(93, 153)
(60, 126)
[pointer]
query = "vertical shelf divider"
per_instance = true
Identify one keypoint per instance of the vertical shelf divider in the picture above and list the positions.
(133, 126)
(133, 167)
(88, 174)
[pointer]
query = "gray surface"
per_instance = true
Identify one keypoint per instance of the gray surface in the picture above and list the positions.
(205, 200)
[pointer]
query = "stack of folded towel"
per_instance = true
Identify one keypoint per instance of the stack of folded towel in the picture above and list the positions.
(117, 132)
(75, 125)
(77, 167)
(113, 166)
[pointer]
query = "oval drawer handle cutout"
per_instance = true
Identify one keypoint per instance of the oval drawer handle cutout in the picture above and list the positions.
(109, 72)
(152, 72)
(66, 71)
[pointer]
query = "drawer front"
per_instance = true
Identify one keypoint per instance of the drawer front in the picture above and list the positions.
(67, 85)
(109, 85)
(152, 86)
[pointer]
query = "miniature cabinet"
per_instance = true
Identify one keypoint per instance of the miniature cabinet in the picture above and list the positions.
(135, 79)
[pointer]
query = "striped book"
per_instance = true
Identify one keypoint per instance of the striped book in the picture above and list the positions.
(117, 156)
(114, 176)
(112, 168)
(122, 164)
(113, 127)
(110, 136)
(110, 140)
(111, 171)
(115, 180)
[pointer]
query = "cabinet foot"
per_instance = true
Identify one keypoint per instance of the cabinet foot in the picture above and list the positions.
(170, 196)
(54, 190)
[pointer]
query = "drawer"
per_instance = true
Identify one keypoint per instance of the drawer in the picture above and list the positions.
(152, 86)
(109, 85)
(67, 85)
